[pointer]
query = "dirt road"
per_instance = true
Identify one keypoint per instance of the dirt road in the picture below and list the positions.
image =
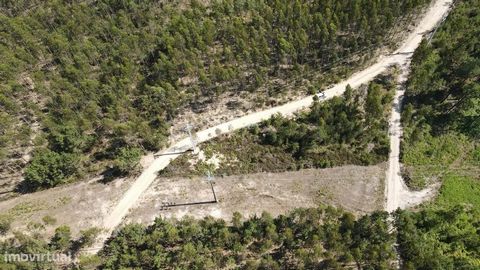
(433, 15)
(397, 194)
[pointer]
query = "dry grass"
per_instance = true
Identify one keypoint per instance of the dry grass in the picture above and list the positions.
(355, 188)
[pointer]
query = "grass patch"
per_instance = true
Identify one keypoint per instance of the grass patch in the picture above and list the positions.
(459, 190)
(25, 208)
(440, 151)
(433, 158)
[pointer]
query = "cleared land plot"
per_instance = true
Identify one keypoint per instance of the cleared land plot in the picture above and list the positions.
(80, 206)
(84, 205)
(355, 188)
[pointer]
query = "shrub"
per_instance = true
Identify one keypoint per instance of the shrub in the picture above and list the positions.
(127, 160)
(48, 169)
(5, 223)
(88, 237)
(61, 239)
(67, 139)
(49, 220)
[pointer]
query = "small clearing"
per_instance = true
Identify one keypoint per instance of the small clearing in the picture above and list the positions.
(355, 188)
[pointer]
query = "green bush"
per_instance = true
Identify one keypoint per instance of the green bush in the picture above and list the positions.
(444, 238)
(127, 160)
(68, 139)
(48, 169)
(88, 237)
(5, 223)
(61, 239)
(49, 220)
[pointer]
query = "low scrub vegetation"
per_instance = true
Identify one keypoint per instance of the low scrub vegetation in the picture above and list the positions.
(351, 129)
(459, 190)
(61, 245)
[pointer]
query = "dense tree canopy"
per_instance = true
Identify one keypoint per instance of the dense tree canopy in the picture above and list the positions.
(439, 239)
(441, 143)
(322, 238)
(443, 92)
(315, 238)
(345, 130)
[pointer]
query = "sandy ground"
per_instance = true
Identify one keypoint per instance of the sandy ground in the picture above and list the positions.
(354, 188)
(401, 56)
(80, 206)
(397, 194)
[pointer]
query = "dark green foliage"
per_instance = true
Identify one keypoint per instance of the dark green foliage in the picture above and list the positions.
(87, 237)
(106, 70)
(441, 119)
(442, 106)
(443, 91)
(439, 239)
(306, 238)
(315, 238)
(322, 238)
(68, 139)
(344, 130)
(61, 240)
(127, 160)
(48, 169)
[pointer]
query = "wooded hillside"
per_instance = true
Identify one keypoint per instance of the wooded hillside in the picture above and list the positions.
(105, 77)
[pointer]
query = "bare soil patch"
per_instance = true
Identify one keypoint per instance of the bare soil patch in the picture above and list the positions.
(356, 188)
(80, 206)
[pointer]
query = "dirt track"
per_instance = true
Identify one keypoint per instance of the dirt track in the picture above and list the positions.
(397, 194)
